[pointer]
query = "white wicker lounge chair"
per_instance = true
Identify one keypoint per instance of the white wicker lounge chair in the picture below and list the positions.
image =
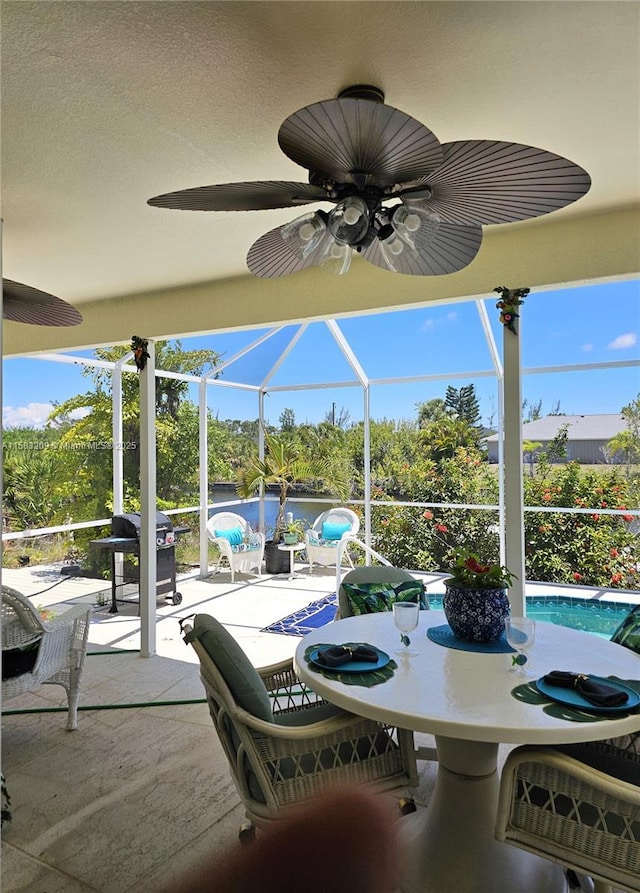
(322, 538)
(237, 543)
(283, 743)
(576, 813)
(37, 651)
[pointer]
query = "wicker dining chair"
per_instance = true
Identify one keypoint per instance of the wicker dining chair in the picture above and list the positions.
(385, 577)
(577, 805)
(283, 743)
(42, 652)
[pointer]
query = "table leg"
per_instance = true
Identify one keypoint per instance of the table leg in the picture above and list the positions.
(114, 588)
(450, 845)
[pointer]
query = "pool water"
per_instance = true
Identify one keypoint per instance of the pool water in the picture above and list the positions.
(598, 617)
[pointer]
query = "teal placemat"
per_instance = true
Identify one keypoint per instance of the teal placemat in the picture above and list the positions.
(372, 677)
(443, 635)
(529, 694)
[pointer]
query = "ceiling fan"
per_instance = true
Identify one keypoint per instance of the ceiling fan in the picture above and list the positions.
(23, 303)
(402, 200)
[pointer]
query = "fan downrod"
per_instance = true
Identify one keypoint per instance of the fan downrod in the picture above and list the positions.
(362, 91)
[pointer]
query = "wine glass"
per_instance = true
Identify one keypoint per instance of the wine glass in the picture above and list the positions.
(405, 617)
(521, 634)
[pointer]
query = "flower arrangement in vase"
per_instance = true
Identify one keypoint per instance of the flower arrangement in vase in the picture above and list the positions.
(476, 602)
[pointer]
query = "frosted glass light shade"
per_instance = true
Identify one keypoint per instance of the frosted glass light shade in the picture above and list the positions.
(305, 233)
(413, 224)
(392, 248)
(335, 256)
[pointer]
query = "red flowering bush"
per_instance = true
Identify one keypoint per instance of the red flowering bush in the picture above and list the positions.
(589, 548)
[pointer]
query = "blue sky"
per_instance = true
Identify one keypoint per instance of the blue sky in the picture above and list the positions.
(591, 324)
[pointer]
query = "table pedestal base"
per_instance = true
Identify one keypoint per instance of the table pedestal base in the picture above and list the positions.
(449, 847)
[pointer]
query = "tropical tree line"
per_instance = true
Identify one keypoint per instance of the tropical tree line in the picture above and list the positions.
(63, 473)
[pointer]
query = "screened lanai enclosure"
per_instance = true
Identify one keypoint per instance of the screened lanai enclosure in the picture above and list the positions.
(356, 370)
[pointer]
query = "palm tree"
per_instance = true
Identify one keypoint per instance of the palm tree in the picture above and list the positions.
(285, 466)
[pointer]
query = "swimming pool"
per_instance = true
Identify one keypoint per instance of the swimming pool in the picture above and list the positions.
(598, 617)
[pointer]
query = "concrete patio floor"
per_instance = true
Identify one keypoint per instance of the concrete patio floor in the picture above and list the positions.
(136, 795)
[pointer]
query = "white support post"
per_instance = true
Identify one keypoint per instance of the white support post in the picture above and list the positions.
(148, 554)
(1, 392)
(497, 365)
(261, 445)
(367, 467)
(204, 479)
(117, 447)
(513, 483)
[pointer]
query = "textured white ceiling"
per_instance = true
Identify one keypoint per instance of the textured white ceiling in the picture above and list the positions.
(105, 104)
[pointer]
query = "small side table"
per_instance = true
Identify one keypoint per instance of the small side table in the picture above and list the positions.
(296, 547)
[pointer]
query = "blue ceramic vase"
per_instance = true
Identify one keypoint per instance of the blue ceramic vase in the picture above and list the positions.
(475, 615)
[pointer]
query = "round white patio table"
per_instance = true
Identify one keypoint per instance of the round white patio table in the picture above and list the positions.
(464, 699)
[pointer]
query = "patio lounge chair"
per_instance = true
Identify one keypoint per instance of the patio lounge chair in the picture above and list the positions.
(237, 543)
(577, 805)
(37, 651)
(321, 540)
(283, 743)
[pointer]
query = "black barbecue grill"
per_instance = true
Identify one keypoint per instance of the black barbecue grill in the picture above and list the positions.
(125, 538)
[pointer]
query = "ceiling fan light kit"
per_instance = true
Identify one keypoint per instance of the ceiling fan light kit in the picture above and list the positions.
(402, 200)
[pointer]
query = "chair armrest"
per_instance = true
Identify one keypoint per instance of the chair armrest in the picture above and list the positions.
(257, 538)
(224, 546)
(343, 726)
(281, 666)
(67, 617)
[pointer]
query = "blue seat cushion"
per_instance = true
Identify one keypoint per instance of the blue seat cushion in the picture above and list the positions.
(372, 598)
(242, 678)
(245, 547)
(233, 534)
(333, 531)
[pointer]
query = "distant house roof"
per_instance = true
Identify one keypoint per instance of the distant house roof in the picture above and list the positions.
(581, 427)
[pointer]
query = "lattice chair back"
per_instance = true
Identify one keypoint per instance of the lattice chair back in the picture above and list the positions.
(322, 538)
(283, 743)
(241, 547)
(36, 651)
(578, 805)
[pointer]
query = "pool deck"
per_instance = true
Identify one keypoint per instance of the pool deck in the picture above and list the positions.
(245, 607)
(141, 791)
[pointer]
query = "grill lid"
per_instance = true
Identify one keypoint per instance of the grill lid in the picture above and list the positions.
(128, 525)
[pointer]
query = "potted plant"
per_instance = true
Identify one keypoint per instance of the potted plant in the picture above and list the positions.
(476, 602)
(293, 531)
(285, 465)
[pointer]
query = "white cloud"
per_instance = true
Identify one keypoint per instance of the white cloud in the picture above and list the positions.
(431, 323)
(622, 342)
(33, 415)
(587, 347)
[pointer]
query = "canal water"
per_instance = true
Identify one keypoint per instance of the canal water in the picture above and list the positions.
(307, 511)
